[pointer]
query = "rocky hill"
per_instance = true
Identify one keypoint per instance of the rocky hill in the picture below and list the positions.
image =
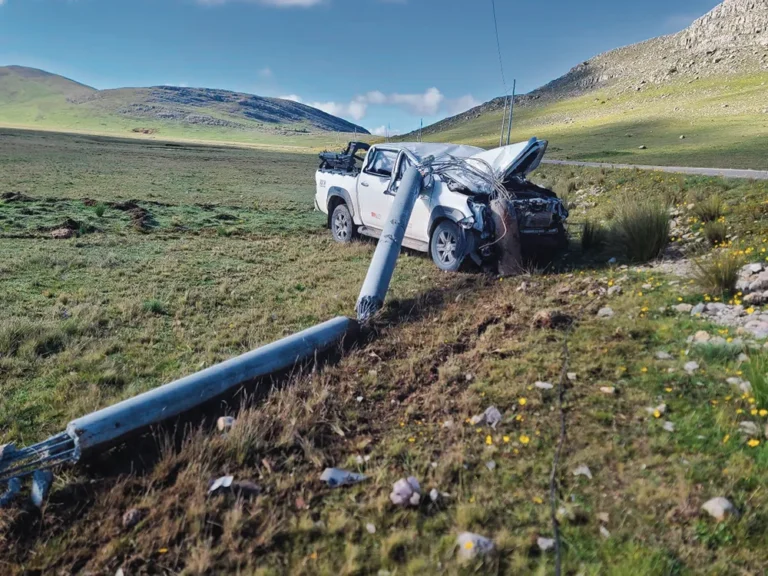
(729, 40)
(46, 98)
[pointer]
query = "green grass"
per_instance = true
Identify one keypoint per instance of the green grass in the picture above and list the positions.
(609, 127)
(121, 309)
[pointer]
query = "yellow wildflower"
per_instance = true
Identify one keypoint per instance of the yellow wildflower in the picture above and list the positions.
(537, 500)
(488, 440)
(656, 414)
(506, 439)
(522, 401)
(524, 439)
(763, 412)
(727, 437)
(754, 443)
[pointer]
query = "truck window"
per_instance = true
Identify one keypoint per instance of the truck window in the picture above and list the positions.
(382, 163)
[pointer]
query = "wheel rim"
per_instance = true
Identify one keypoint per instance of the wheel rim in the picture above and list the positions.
(341, 226)
(446, 247)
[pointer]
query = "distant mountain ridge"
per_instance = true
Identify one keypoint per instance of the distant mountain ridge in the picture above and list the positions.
(41, 95)
(730, 39)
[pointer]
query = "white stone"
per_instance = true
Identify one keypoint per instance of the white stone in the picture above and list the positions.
(719, 508)
(669, 426)
(543, 385)
(661, 355)
(472, 545)
(225, 423)
(683, 308)
(604, 532)
(608, 390)
(749, 429)
(370, 528)
(701, 336)
(406, 492)
(698, 309)
(572, 376)
(545, 544)
(605, 313)
(691, 367)
(615, 290)
(583, 470)
(434, 494)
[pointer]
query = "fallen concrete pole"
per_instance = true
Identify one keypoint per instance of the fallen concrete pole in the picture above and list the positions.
(388, 249)
(111, 425)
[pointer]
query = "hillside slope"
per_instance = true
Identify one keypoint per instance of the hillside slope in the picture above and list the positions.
(38, 99)
(706, 83)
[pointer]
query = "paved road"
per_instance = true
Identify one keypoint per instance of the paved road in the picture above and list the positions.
(723, 172)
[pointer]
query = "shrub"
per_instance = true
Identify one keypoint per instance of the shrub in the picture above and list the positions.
(572, 187)
(155, 307)
(719, 274)
(594, 237)
(756, 373)
(100, 209)
(641, 228)
(710, 208)
(715, 232)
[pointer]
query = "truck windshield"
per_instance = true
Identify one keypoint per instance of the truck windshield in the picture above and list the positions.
(382, 163)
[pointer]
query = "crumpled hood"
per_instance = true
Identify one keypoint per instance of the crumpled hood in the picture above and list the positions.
(515, 160)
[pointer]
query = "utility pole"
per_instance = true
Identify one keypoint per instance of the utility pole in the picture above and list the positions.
(503, 119)
(511, 109)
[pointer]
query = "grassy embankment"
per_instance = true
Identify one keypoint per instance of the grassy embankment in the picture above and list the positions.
(231, 256)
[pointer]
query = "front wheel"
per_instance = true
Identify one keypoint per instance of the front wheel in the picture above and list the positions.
(342, 226)
(447, 246)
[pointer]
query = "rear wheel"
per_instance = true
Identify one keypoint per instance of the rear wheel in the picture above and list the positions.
(342, 226)
(447, 246)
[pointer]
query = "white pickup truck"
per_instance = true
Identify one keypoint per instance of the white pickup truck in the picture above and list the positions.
(450, 220)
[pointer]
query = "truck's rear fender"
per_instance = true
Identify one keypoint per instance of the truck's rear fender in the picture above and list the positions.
(338, 195)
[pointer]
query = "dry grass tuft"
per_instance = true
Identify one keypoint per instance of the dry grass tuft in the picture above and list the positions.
(719, 273)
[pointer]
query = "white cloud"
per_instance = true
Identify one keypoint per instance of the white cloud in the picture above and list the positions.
(429, 103)
(275, 3)
(292, 97)
(266, 72)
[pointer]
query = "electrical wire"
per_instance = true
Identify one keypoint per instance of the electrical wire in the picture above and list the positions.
(498, 46)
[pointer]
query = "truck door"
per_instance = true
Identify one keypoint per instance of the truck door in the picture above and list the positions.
(372, 184)
(418, 225)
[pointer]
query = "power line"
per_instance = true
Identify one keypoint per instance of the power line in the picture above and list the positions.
(498, 46)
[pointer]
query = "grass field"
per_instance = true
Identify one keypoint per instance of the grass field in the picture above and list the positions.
(724, 121)
(225, 253)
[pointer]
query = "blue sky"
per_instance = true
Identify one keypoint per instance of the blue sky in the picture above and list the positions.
(374, 62)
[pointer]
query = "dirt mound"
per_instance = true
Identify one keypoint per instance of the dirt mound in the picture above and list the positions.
(15, 197)
(145, 130)
(140, 217)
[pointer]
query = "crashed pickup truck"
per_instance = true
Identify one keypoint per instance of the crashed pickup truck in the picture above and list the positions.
(452, 218)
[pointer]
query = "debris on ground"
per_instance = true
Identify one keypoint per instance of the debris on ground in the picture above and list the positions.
(219, 483)
(543, 385)
(604, 532)
(608, 390)
(42, 480)
(14, 487)
(545, 544)
(669, 426)
(491, 416)
(603, 517)
(719, 508)
(225, 423)
(661, 355)
(335, 477)
(473, 545)
(434, 495)
(370, 528)
(491, 465)
(583, 470)
(657, 410)
(406, 492)
(572, 376)
(691, 367)
(132, 517)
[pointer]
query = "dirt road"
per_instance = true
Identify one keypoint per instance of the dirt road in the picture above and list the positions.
(723, 172)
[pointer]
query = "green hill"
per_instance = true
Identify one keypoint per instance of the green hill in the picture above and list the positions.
(699, 97)
(31, 98)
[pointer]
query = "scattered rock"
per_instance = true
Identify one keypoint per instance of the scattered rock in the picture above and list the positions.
(491, 416)
(545, 544)
(642, 147)
(691, 367)
(661, 409)
(551, 319)
(41, 486)
(583, 470)
(661, 355)
(491, 465)
(370, 528)
(701, 336)
(669, 426)
(603, 517)
(719, 508)
(698, 310)
(225, 423)
(543, 385)
(473, 545)
(749, 429)
(434, 495)
(448, 424)
(683, 308)
(406, 492)
(335, 477)
(132, 517)
(682, 136)
(604, 532)
(572, 376)
(605, 313)
(743, 385)
(62, 233)
(608, 390)
(755, 268)
(615, 290)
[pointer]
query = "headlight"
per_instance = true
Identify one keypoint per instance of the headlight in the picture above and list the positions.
(467, 223)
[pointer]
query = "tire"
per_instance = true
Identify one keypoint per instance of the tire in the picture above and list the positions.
(447, 246)
(342, 225)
